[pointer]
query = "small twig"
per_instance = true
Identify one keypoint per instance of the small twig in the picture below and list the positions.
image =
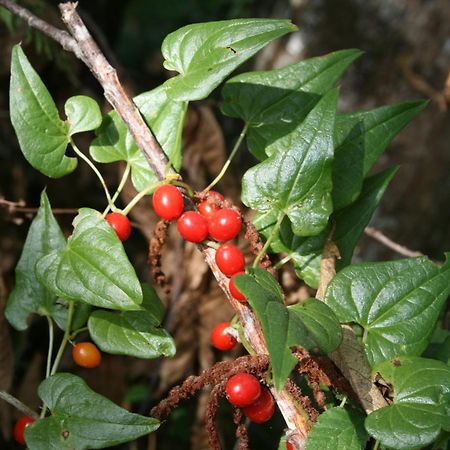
(400, 249)
(18, 207)
(18, 404)
(62, 37)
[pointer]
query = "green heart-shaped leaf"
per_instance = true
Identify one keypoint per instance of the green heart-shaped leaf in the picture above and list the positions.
(93, 267)
(360, 139)
(83, 114)
(338, 429)
(397, 303)
(204, 54)
(82, 419)
(29, 295)
(272, 103)
(133, 333)
(296, 180)
(42, 135)
(421, 407)
(285, 327)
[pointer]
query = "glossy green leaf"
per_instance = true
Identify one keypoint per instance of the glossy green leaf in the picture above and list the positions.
(133, 333)
(338, 429)
(29, 295)
(115, 143)
(93, 267)
(83, 114)
(42, 135)
(82, 419)
(421, 407)
(296, 180)
(204, 54)
(284, 327)
(272, 103)
(350, 222)
(321, 323)
(360, 139)
(397, 303)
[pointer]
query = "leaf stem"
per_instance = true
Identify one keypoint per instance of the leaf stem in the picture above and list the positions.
(124, 179)
(376, 445)
(50, 345)
(269, 240)
(18, 404)
(343, 402)
(230, 158)
(77, 332)
(283, 261)
(66, 337)
(92, 166)
(138, 196)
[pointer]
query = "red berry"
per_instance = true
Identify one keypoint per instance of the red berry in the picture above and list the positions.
(121, 225)
(210, 205)
(262, 410)
(192, 226)
(86, 354)
(289, 446)
(230, 259)
(168, 202)
(224, 225)
(221, 339)
(19, 428)
(235, 292)
(242, 389)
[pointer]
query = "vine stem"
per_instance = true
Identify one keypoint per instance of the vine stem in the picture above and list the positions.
(230, 158)
(92, 166)
(376, 445)
(269, 240)
(138, 196)
(65, 339)
(50, 345)
(283, 261)
(8, 398)
(123, 180)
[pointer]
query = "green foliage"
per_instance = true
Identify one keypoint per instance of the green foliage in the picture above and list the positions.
(29, 295)
(397, 303)
(133, 333)
(421, 406)
(296, 180)
(83, 114)
(273, 103)
(284, 327)
(115, 143)
(82, 419)
(338, 429)
(42, 135)
(204, 54)
(93, 267)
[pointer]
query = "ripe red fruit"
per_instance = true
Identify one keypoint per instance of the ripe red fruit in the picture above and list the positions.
(235, 292)
(19, 428)
(289, 446)
(121, 225)
(210, 205)
(221, 339)
(86, 354)
(230, 259)
(224, 225)
(262, 409)
(192, 226)
(168, 202)
(242, 389)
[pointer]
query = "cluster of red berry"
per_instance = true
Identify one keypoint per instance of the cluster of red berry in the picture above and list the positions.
(245, 391)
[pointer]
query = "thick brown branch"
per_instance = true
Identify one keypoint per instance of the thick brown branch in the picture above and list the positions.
(62, 37)
(400, 249)
(114, 92)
